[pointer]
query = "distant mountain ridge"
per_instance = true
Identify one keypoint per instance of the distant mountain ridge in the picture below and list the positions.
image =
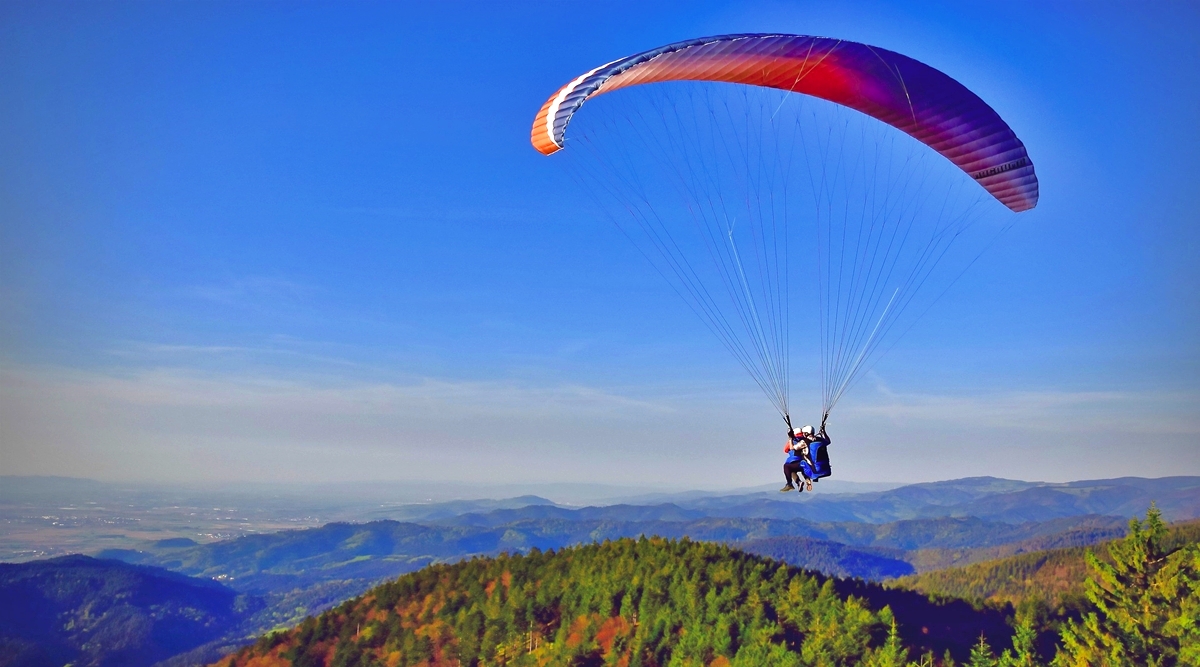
(358, 555)
(934, 532)
(989, 498)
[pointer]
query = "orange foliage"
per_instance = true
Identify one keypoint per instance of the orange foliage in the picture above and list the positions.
(579, 630)
(376, 614)
(436, 631)
(271, 660)
(610, 631)
(410, 613)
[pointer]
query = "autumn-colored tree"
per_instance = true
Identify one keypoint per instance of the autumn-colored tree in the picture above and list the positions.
(653, 602)
(637, 603)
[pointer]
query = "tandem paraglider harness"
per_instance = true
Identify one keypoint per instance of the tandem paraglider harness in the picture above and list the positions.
(818, 453)
(816, 465)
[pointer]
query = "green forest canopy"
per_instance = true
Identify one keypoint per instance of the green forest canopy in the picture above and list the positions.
(656, 602)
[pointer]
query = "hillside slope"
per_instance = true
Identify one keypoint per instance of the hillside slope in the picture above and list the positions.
(831, 558)
(628, 602)
(1055, 575)
(95, 613)
(1092, 530)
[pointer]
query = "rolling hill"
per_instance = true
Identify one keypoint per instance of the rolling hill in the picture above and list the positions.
(1092, 530)
(98, 613)
(1056, 575)
(647, 601)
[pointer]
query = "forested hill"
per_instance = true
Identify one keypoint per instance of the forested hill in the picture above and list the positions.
(86, 612)
(1055, 576)
(626, 602)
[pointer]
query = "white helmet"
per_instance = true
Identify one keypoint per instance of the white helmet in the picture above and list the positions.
(807, 430)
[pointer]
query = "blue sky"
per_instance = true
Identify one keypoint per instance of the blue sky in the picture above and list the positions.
(273, 241)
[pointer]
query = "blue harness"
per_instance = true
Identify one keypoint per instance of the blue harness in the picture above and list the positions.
(819, 453)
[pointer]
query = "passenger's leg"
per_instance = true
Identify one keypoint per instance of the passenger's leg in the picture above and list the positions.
(792, 472)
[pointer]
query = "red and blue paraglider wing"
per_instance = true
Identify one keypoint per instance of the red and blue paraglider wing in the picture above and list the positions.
(906, 94)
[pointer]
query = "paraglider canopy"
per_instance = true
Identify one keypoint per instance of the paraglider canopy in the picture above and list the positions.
(904, 93)
(714, 178)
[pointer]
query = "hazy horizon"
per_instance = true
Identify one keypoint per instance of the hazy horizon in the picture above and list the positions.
(421, 491)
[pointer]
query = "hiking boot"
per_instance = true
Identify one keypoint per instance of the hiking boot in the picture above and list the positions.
(787, 488)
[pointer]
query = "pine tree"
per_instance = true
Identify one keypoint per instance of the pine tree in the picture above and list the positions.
(891, 654)
(1186, 625)
(1145, 604)
(982, 656)
(1023, 653)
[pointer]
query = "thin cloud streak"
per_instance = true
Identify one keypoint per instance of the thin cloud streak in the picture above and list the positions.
(154, 422)
(253, 291)
(1080, 412)
(181, 424)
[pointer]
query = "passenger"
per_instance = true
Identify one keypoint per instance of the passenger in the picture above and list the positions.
(797, 460)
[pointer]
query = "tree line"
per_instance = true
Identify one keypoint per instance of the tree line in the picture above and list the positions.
(653, 602)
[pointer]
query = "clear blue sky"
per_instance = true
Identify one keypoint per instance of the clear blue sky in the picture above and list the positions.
(310, 241)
